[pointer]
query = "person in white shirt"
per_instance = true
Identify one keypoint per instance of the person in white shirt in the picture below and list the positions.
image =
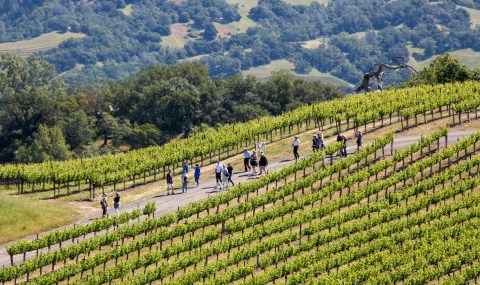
(218, 172)
(296, 144)
(246, 159)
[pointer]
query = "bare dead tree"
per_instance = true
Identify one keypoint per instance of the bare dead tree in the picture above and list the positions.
(377, 71)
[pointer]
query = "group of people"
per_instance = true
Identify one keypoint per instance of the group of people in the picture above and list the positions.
(224, 173)
(223, 176)
(251, 161)
(319, 144)
(116, 204)
(184, 178)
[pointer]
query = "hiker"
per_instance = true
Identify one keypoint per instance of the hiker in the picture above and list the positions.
(218, 173)
(104, 205)
(230, 174)
(344, 148)
(196, 174)
(254, 162)
(246, 159)
(320, 143)
(359, 140)
(184, 181)
(169, 182)
(185, 166)
(116, 203)
(263, 163)
(296, 144)
(315, 143)
(225, 177)
(340, 139)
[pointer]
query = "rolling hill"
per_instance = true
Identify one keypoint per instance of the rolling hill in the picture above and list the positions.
(341, 38)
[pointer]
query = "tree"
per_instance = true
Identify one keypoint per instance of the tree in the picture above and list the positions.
(145, 135)
(29, 93)
(377, 71)
(443, 69)
(111, 128)
(78, 130)
(210, 32)
(48, 144)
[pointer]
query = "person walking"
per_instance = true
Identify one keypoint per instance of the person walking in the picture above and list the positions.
(314, 143)
(230, 174)
(340, 139)
(359, 140)
(218, 173)
(254, 162)
(320, 143)
(169, 182)
(116, 203)
(246, 159)
(263, 163)
(296, 144)
(104, 205)
(225, 177)
(196, 174)
(344, 139)
(185, 166)
(184, 181)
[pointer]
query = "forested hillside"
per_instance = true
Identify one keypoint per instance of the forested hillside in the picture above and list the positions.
(123, 37)
(43, 119)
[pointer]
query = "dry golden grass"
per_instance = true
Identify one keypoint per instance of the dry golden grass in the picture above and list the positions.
(41, 43)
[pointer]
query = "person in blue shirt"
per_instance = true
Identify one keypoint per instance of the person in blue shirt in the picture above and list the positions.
(196, 174)
(185, 166)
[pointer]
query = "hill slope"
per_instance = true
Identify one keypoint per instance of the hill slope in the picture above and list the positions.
(376, 216)
(125, 37)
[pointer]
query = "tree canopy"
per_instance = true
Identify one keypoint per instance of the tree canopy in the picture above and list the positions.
(351, 34)
(44, 119)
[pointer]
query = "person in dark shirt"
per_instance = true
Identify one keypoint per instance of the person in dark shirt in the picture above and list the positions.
(254, 162)
(359, 140)
(344, 139)
(343, 150)
(263, 163)
(116, 203)
(230, 174)
(185, 182)
(104, 205)
(169, 182)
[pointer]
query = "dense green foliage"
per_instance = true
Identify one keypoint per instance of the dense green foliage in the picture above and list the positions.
(42, 119)
(126, 44)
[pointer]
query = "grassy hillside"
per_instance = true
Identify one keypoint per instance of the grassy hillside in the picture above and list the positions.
(468, 57)
(263, 72)
(42, 43)
(178, 37)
